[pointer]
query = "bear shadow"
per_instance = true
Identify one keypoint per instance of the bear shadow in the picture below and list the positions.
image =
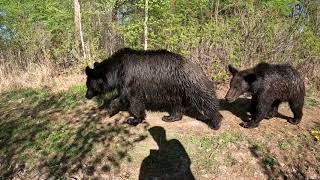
(241, 108)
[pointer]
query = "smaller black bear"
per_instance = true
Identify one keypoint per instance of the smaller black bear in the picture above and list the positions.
(269, 85)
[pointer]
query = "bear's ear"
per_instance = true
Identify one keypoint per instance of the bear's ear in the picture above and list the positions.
(95, 64)
(250, 78)
(88, 71)
(232, 69)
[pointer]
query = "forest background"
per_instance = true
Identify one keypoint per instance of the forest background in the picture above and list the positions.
(44, 39)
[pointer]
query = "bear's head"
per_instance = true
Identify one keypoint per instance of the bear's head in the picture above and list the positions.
(240, 83)
(96, 82)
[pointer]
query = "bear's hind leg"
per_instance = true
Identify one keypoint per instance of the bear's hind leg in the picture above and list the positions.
(274, 109)
(253, 105)
(296, 106)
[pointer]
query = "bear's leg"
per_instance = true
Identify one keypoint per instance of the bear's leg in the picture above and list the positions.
(215, 120)
(137, 110)
(175, 115)
(212, 118)
(260, 111)
(253, 105)
(116, 105)
(274, 109)
(296, 106)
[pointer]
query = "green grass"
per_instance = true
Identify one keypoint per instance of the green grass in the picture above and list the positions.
(21, 94)
(258, 146)
(26, 131)
(42, 99)
(221, 141)
(283, 145)
(311, 99)
(312, 102)
(270, 162)
(79, 89)
(205, 155)
(49, 131)
(286, 144)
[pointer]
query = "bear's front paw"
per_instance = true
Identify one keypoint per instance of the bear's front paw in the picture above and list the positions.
(271, 115)
(112, 112)
(133, 121)
(249, 125)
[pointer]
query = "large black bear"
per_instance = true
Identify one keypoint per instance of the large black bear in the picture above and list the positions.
(269, 85)
(154, 77)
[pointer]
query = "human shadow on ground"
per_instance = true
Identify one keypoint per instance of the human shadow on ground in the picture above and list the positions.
(45, 136)
(169, 161)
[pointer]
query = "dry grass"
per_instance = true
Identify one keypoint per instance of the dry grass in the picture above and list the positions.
(37, 75)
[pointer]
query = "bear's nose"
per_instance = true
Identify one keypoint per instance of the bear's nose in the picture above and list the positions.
(89, 95)
(229, 99)
(216, 127)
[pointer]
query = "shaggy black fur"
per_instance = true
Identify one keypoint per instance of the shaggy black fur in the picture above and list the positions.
(154, 77)
(269, 84)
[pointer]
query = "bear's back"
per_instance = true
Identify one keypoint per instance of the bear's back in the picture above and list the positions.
(282, 79)
(282, 71)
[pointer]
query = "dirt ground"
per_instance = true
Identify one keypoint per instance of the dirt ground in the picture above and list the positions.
(48, 136)
(274, 150)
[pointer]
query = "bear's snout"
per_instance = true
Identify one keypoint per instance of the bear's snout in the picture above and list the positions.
(231, 96)
(89, 95)
(230, 100)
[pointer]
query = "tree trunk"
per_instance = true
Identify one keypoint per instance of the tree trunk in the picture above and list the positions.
(78, 28)
(146, 26)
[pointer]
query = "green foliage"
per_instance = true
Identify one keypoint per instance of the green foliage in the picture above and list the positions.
(284, 7)
(23, 94)
(316, 133)
(49, 132)
(286, 144)
(218, 142)
(79, 89)
(312, 102)
(258, 146)
(269, 162)
(211, 33)
(40, 98)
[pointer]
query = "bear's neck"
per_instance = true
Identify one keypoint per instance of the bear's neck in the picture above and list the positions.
(254, 87)
(112, 78)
